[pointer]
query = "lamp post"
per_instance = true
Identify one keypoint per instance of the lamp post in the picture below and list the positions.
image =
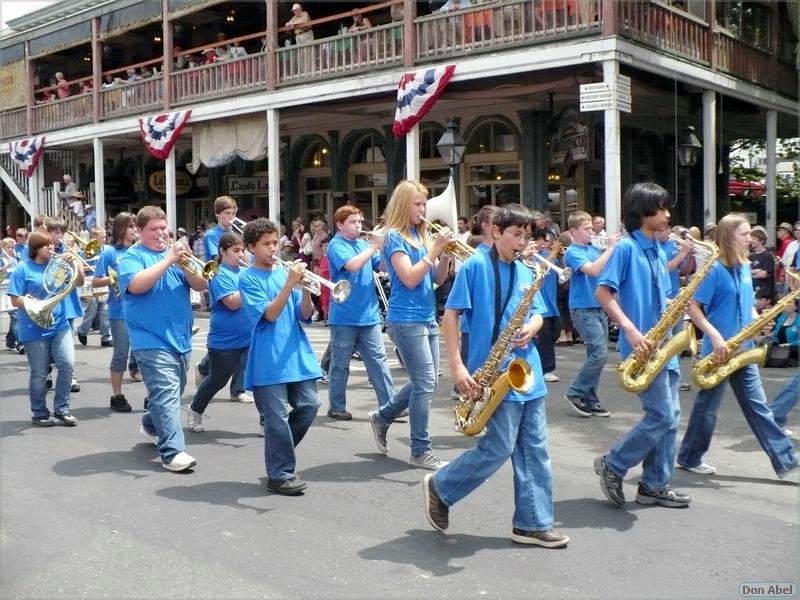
(451, 148)
(688, 151)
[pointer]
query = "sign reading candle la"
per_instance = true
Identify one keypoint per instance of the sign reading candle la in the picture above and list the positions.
(247, 185)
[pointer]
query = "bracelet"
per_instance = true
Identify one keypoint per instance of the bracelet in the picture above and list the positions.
(427, 260)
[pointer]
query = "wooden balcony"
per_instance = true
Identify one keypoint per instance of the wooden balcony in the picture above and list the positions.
(131, 97)
(13, 123)
(17, 174)
(226, 78)
(75, 110)
(738, 58)
(665, 28)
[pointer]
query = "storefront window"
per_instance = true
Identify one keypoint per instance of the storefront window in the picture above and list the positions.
(368, 150)
(317, 155)
(748, 21)
(492, 136)
(496, 184)
(428, 137)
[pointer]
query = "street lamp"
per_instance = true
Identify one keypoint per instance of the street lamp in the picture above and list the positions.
(450, 146)
(689, 149)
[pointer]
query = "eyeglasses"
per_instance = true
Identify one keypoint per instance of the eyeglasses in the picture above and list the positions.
(22, 235)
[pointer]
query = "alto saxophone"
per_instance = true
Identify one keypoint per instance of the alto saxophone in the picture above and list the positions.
(473, 411)
(708, 373)
(637, 374)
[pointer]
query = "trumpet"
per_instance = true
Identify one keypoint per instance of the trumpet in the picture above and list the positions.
(71, 252)
(563, 274)
(238, 225)
(91, 248)
(193, 265)
(370, 235)
(599, 241)
(455, 248)
(313, 283)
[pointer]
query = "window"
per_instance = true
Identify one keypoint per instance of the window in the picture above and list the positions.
(368, 150)
(748, 21)
(428, 137)
(317, 155)
(496, 184)
(492, 136)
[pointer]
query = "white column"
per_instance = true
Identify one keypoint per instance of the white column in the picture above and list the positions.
(169, 176)
(709, 157)
(612, 157)
(35, 184)
(772, 158)
(274, 165)
(99, 183)
(412, 154)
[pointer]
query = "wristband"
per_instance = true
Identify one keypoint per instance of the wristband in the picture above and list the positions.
(427, 260)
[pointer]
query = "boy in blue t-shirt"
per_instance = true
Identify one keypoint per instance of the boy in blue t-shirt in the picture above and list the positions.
(487, 291)
(588, 318)
(281, 366)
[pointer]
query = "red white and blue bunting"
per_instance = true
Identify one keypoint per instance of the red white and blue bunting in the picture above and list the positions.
(161, 132)
(26, 153)
(417, 94)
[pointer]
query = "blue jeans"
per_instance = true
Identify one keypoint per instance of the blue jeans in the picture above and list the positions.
(99, 307)
(59, 350)
(652, 441)
(518, 430)
(786, 400)
(223, 365)
(164, 374)
(418, 345)
(284, 428)
(592, 326)
(122, 345)
(368, 340)
(746, 385)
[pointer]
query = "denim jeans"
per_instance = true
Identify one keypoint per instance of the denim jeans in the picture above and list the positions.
(164, 374)
(652, 441)
(223, 365)
(545, 342)
(11, 334)
(418, 345)
(284, 428)
(786, 400)
(99, 307)
(518, 430)
(122, 345)
(59, 350)
(746, 385)
(592, 325)
(204, 365)
(368, 340)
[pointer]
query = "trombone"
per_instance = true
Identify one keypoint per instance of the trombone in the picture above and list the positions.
(238, 225)
(91, 248)
(71, 252)
(193, 265)
(563, 274)
(455, 247)
(313, 283)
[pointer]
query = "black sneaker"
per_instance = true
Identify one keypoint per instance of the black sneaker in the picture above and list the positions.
(580, 406)
(146, 403)
(74, 387)
(666, 497)
(107, 343)
(42, 421)
(20, 349)
(286, 487)
(610, 482)
(66, 419)
(545, 539)
(436, 511)
(82, 339)
(598, 411)
(120, 404)
(379, 431)
(340, 415)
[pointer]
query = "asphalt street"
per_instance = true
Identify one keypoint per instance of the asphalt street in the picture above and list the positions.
(88, 512)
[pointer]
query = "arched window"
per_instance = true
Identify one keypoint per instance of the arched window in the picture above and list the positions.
(492, 136)
(428, 136)
(492, 164)
(317, 155)
(368, 150)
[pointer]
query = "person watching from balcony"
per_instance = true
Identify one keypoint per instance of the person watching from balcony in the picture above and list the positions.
(222, 47)
(360, 23)
(235, 50)
(70, 187)
(76, 204)
(90, 221)
(211, 56)
(452, 5)
(62, 86)
(302, 31)
(181, 61)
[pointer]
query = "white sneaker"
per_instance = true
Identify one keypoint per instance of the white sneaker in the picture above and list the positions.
(153, 438)
(701, 469)
(195, 421)
(180, 462)
(787, 432)
(551, 377)
(244, 398)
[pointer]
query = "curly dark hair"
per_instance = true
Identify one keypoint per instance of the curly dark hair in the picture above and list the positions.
(255, 229)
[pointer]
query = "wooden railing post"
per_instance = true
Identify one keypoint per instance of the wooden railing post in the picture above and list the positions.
(409, 32)
(610, 12)
(97, 69)
(30, 98)
(711, 18)
(166, 63)
(772, 35)
(272, 44)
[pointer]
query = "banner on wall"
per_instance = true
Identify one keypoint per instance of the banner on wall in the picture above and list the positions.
(571, 141)
(12, 85)
(26, 153)
(416, 95)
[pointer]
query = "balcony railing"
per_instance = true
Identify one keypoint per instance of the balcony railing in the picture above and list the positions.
(131, 97)
(742, 59)
(17, 174)
(236, 76)
(74, 110)
(786, 78)
(365, 50)
(12, 123)
(491, 26)
(665, 28)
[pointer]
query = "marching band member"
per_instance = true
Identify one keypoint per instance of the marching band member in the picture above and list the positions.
(21, 242)
(545, 340)
(588, 318)
(124, 232)
(158, 314)
(355, 323)
(8, 262)
(228, 334)
(96, 306)
(411, 258)
(632, 284)
(44, 346)
(281, 367)
(488, 289)
(723, 306)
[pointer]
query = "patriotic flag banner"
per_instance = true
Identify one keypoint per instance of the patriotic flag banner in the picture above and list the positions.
(161, 132)
(26, 153)
(417, 94)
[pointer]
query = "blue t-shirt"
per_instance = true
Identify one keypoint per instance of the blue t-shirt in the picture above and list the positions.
(20, 251)
(279, 352)
(228, 329)
(406, 305)
(72, 303)
(636, 272)
(549, 291)
(28, 278)
(361, 307)
(211, 241)
(161, 318)
(110, 259)
(473, 293)
(727, 298)
(581, 286)
(671, 251)
(482, 248)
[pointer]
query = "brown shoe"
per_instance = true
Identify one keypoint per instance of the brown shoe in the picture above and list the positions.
(436, 511)
(546, 539)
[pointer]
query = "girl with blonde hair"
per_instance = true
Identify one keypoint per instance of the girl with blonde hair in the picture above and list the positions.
(721, 308)
(414, 260)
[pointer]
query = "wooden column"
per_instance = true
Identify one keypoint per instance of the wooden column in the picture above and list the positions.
(272, 44)
(711, 18)
(30, 98)
(166, 59)
(610, 13)
(97, 70)
(409, 33)
(772, 162)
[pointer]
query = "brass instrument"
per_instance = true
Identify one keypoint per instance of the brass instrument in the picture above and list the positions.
(193, 265)
(637, 374)
(113, 282)
(238, 225)
(91, 248)
(455, 247)
(76, 256)
(473, 411)
(40, 311)
(313, 283)
(563, 274)
(599, 241)
(708, 373)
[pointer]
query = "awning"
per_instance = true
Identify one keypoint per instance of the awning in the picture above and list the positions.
(12, 54)
(179, 8)
(125, 19)
(67, 37)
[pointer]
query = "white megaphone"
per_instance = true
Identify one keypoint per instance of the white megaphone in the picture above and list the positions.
(444, 207)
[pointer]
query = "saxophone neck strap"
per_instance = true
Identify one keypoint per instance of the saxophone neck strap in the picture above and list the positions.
(498, 300)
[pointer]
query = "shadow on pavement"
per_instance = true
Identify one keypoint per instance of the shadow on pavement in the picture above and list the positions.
(215, 437)
(373, 466)
(9, 428)
(87, 413)
(431, 551)
(594, 513)
(127, 463)
(219, 493)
